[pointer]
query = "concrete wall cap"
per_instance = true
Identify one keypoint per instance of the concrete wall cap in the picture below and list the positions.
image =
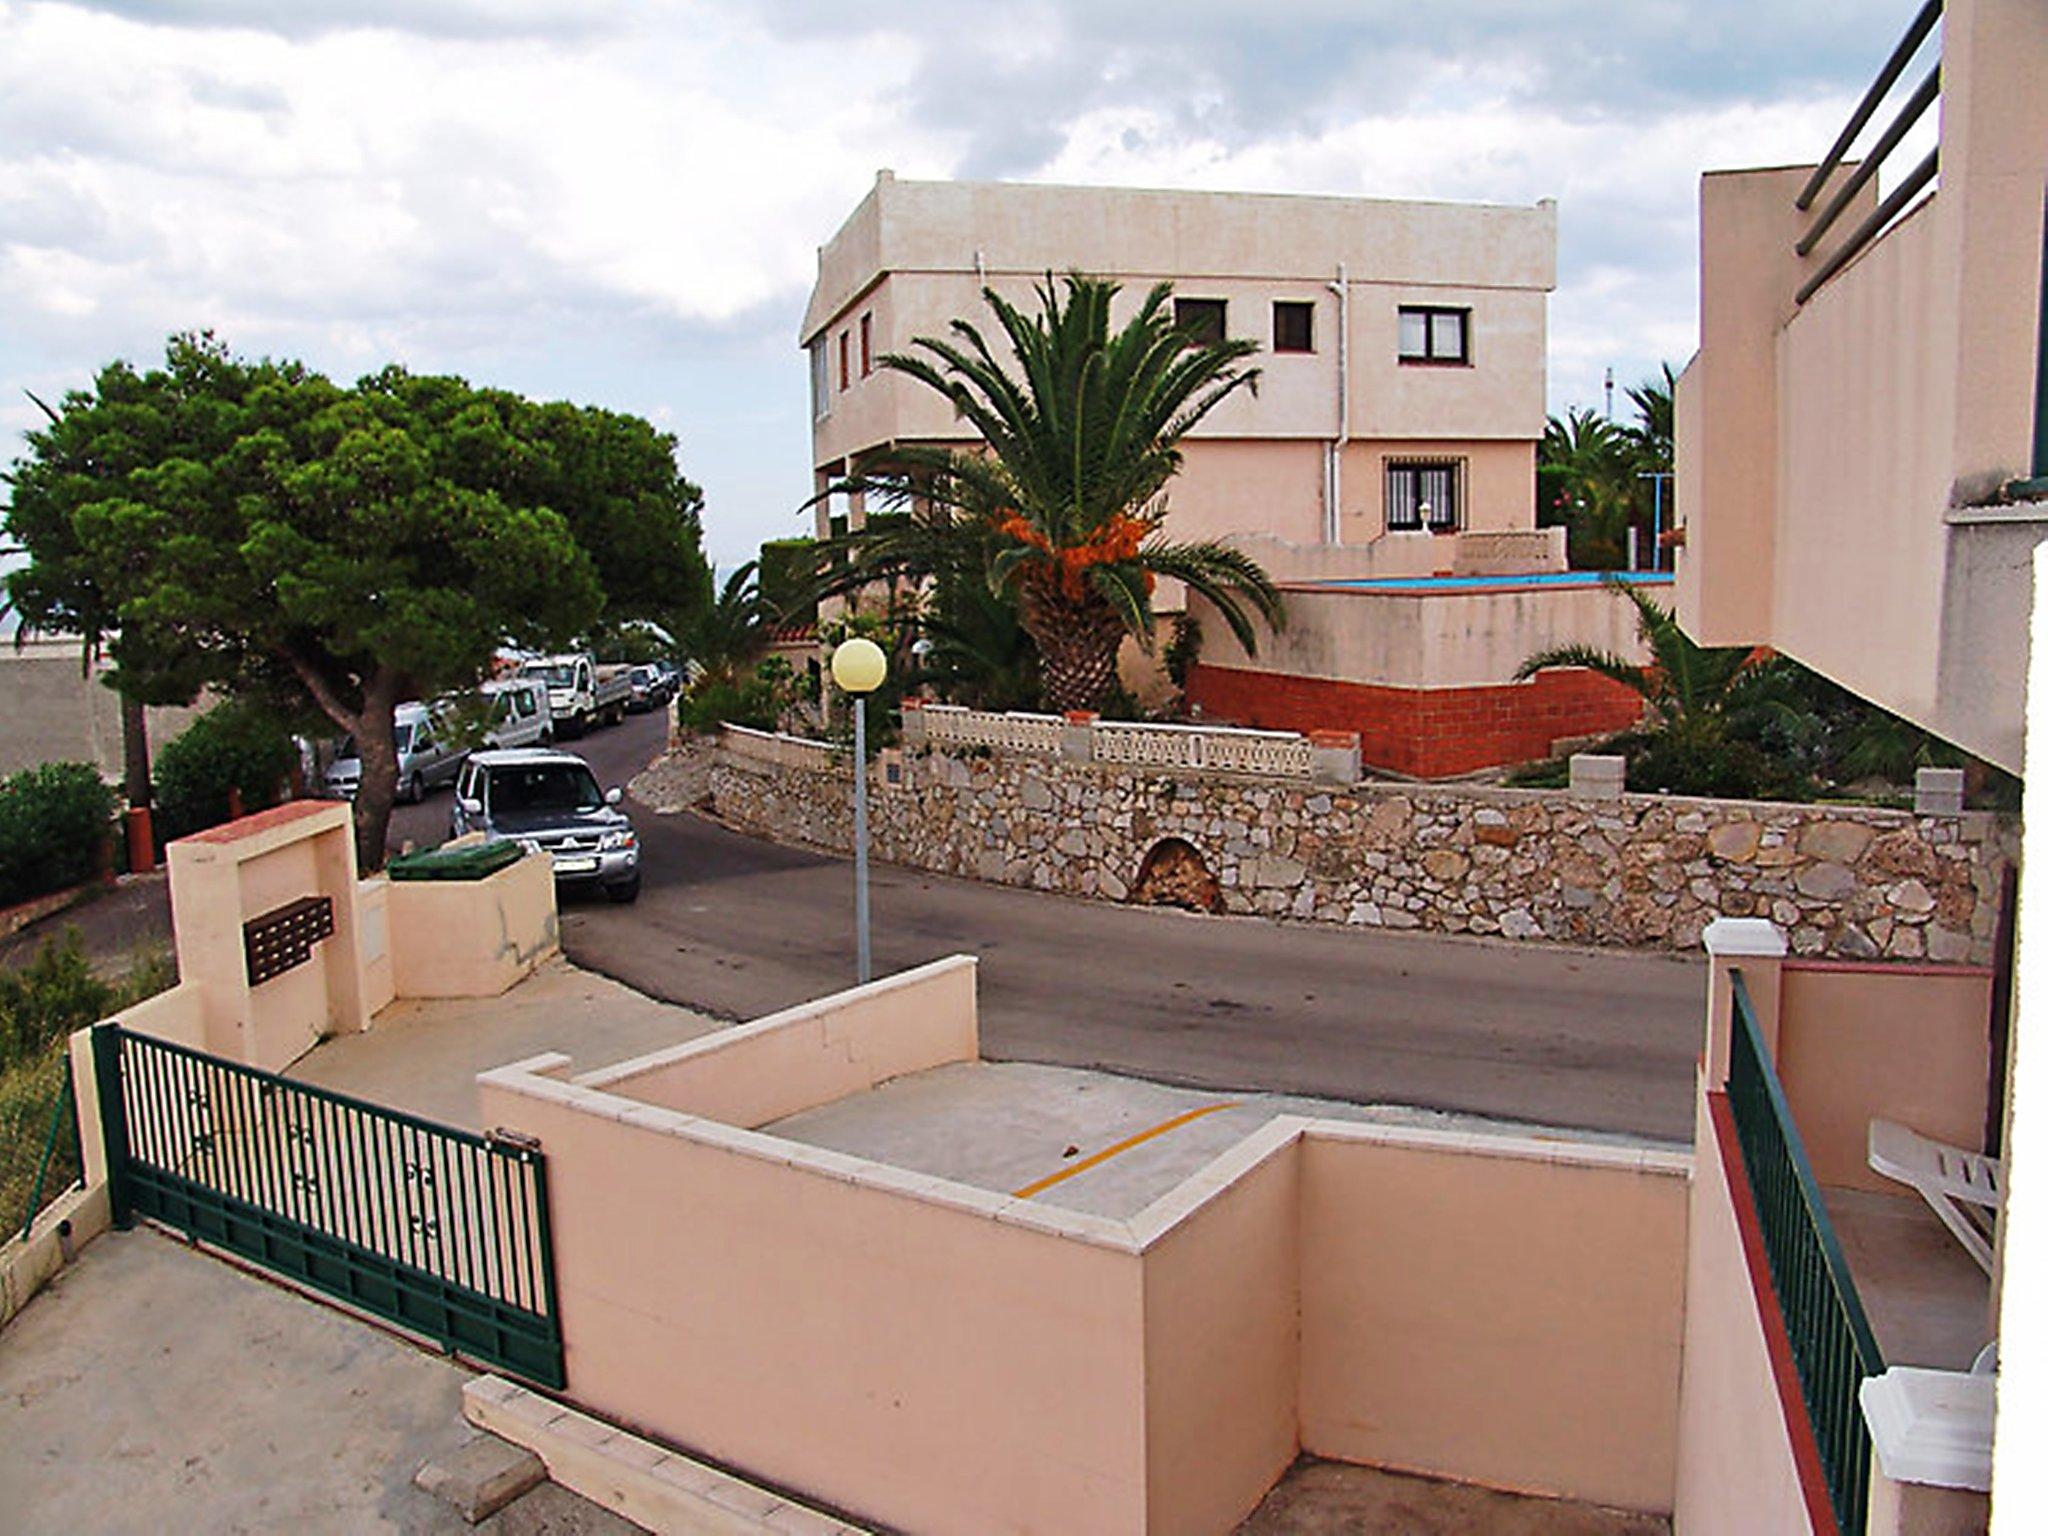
(1931, 1427)
(1726, 936)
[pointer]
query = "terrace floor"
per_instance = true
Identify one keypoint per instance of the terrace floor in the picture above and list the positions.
(1928, 1302)
(1085, 1141)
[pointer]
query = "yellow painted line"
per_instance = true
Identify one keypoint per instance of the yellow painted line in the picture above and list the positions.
(1121, 1147)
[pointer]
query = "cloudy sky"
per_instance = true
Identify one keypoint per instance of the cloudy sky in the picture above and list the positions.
(618, 201)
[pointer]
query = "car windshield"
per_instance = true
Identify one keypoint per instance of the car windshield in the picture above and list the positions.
(543, 787)
(559, 675)
(346, 752)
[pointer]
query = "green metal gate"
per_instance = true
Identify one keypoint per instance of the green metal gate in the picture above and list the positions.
(440, 1230)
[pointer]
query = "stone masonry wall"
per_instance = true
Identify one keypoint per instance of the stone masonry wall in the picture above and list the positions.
(1647, 871)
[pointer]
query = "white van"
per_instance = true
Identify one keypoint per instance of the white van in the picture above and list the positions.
(428, 755)
(519, 716)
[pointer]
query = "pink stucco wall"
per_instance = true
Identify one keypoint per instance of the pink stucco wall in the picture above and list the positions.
(1737, 1473)
(1496, 1311)
(1859, 1042)
(811, 1054)
(938, 1357)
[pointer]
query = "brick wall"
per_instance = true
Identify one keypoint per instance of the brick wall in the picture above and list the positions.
(1428, 733)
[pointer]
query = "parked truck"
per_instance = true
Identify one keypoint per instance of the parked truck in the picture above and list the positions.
(582, 694)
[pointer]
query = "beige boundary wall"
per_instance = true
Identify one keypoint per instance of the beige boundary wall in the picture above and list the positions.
(933, 1356)
(1647, 871)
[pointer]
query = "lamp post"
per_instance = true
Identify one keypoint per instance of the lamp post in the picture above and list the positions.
(858, 667)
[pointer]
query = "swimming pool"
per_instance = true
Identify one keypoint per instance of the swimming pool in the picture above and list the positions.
(1531, 579)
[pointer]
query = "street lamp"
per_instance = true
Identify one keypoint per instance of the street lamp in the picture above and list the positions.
(858, 667)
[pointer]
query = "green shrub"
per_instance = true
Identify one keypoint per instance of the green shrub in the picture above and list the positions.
(754, 702)
(54, 821)
(236, 746)
(48, 998)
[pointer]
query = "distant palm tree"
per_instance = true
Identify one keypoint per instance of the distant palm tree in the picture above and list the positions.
(1655, 431)
(1082, 427)
(732, 630)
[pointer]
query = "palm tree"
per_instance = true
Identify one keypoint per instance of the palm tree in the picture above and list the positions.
(1082, 429)
(732, 630)
(1686, 686)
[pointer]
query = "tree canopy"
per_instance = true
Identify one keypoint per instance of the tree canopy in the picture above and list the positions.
(256, 527)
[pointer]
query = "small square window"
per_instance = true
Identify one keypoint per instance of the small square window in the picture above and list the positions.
(1201, 319)
(1294, 326)
(1434, 335)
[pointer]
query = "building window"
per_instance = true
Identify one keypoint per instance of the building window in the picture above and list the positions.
(1294, 326)
(821, 382)
(1423, 494)
(845, 359)
(1435, 335)
(867, 345)
(1201, 319)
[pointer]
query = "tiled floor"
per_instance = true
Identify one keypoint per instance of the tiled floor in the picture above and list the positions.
(1927, 1300)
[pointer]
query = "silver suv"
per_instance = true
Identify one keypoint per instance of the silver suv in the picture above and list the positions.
(549, 802)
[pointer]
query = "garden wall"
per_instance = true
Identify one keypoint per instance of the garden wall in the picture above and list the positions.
(1639, 870)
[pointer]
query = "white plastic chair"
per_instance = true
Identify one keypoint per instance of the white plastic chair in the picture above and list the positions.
(1949, 1179)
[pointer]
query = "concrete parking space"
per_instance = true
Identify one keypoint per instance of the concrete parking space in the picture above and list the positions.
(1097, 1142)
(423, 1055)
(153, 1388)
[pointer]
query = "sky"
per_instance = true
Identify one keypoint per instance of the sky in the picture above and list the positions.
(619, 201)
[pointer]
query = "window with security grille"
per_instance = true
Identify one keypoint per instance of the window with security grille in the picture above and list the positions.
(1423, 494)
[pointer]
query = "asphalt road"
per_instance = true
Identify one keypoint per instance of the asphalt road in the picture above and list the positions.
(1601, 1039)
(735, 926)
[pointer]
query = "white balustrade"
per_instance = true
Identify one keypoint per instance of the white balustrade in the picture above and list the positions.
(1204, 749)
(783, 751)
(953, 725)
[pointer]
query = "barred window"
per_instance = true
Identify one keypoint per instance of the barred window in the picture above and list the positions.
(1423, 494)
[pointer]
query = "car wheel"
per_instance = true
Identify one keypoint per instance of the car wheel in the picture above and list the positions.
(624, 891)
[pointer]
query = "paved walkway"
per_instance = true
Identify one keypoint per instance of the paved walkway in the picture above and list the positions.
(423, 1055)
(1085, 1141)
(1328, 1498)
(154, 1389)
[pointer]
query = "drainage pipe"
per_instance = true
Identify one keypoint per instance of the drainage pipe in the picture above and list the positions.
(1333, 482)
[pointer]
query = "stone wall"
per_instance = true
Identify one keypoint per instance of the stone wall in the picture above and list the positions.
(1643, 870)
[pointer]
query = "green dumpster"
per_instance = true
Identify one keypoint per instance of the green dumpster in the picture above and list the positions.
(471, 861)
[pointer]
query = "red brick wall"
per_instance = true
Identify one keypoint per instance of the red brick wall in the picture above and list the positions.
(1428, 732)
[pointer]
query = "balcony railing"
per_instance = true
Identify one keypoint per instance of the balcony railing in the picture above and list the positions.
(1860, 175)
(1832, 1343)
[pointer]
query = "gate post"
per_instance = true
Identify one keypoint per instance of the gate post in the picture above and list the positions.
(113, 1114)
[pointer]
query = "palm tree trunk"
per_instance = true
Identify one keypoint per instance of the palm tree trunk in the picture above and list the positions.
(1077, 644)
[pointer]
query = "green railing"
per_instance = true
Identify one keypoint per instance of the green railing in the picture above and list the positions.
(442, 1231)
(1832, 1344)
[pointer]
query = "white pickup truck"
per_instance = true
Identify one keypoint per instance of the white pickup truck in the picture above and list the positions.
(582, 694)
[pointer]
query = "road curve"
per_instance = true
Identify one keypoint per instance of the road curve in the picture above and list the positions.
(1600, 1039)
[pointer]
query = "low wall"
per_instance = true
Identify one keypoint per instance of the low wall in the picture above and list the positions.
(1425, 1261)
(1908, 1043)
(1425, 733)
(1738, 1473)
(934, 1356)
(472, 938)
(1639, 870)
(811, 1054)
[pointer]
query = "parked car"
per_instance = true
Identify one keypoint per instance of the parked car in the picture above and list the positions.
(652, 688)
(581, 694)
(549, 801)
(428, 756)
(520, 716)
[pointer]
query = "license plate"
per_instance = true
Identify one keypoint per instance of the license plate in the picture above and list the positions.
(575, 866)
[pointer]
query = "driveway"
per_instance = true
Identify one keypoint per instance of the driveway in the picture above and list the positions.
(151, 1388)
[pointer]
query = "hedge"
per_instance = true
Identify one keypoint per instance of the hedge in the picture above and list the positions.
(54, 822)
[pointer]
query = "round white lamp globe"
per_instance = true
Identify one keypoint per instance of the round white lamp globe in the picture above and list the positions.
(859, 666)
